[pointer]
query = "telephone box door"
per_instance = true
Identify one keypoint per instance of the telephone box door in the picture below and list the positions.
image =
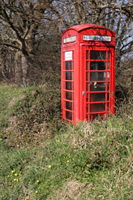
(96, 82)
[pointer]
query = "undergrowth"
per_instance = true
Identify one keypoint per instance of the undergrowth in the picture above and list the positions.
(44, 158)
(32, 114)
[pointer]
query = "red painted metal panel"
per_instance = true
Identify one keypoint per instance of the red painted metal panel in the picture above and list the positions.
(88, 87)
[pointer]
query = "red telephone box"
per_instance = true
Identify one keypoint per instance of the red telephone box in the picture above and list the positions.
(87, 72)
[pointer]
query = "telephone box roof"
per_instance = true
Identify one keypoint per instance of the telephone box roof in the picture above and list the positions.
(82, 27)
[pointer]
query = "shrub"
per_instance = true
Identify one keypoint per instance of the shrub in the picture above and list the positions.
(40, 109)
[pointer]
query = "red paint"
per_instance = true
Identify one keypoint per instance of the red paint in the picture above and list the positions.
(87, 73)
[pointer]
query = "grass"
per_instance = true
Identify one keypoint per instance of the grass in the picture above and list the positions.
(9, 95)
(83, 162)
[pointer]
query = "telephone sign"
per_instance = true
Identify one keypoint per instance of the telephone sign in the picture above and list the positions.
(96, 37)
(87, 73)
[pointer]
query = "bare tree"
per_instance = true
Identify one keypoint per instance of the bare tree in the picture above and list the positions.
(113, 14)
(21, 20)
(26, 25)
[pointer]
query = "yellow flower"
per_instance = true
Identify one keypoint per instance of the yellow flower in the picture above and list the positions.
(37, 181)
(36, 191)
(67, 160)
(13, 171)
(16, 179)
(87, 165)
(15, 174)
(49, 166)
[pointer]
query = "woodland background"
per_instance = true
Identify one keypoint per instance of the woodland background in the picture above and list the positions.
(42, 156)
(30, 36)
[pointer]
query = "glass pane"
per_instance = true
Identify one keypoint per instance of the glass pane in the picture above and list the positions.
(69, 95)
(97, 86)
(87, 54)
(87, 118)
(87, 76)
(107, 106)
(108, 76)
(107, 96)
(98, 116)
(87, 65)
(87, 108)
(68, 115)
(108, 65)
(88, 97)
(98, 76)
(99, 107)
(98, 65)
(97, 97)
(98, 55)
(87, 86)
(69, 85)
(68, 65)
(69, 75)
(68, 105)
(108, 55)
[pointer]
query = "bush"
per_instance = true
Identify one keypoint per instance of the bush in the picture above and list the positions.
(40, 108)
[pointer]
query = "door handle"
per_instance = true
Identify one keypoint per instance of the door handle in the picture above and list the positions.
(83, 93)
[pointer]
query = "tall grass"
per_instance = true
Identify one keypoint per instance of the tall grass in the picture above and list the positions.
(64, 162)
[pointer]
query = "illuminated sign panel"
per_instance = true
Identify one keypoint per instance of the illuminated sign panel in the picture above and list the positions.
(70, 39)
(97, 37)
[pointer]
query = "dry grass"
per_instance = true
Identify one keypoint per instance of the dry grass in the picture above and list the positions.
(71, 190)
(84, 162)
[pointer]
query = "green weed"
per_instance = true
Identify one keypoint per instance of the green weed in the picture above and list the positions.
(87, 161)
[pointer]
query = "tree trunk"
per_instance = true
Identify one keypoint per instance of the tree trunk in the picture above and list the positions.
(21, 68)
(24, 70)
